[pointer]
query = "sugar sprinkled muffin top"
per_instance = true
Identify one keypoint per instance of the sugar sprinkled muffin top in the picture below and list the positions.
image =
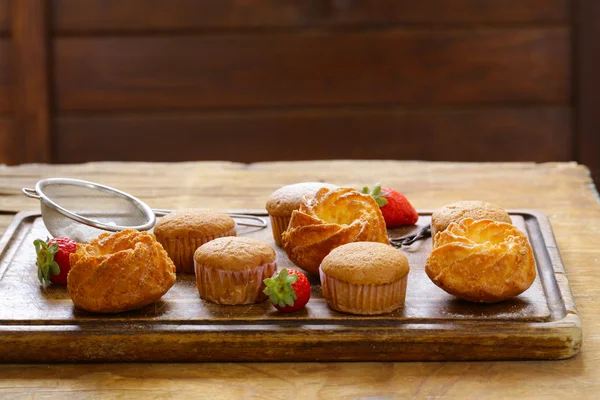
(467, 209)
(366, 263)
(286, 199)
(193, 223)
(234, 253)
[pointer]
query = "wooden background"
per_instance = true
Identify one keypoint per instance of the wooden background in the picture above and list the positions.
(240, 80)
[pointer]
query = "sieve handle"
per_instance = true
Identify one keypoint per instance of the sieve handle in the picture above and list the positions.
(261, 223)
(161, 212)
(31, 193)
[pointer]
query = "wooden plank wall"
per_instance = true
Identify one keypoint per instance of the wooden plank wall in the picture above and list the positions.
(305, 79)
(588, 82)
(6, 121)
(31, 65)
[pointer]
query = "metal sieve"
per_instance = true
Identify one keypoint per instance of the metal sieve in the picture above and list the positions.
(82, 210)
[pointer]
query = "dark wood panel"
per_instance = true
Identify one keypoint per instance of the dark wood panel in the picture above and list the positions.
(161, 15)
(4, 16)
(588, 60)
(470, 135)
(407, 66)
(6, 140)
(5, 76)
(31, 98)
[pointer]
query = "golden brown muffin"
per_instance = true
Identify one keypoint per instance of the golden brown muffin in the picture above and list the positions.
(119, 272)
(466, 209)
(231, 270)
(286, 199)
(364, 278)
(182, 232)
(481, 261)
(328, 220)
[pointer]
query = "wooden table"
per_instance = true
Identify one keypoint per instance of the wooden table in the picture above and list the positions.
(563, 191)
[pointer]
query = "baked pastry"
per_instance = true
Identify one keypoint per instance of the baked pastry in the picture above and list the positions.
(364, 278)
(182, 232)
(286, 199)
(328, 220)
(466, 209)
(231, 270)
(119, 272)
(481, 261)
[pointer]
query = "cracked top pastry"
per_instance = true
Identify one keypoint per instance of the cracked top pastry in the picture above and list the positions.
(330, 219)
(119, 272)
(481, 261)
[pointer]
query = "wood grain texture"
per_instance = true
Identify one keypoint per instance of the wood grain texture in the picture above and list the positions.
(77, 17)
(6, 76)
(507, 134)
(4, 17)
(6, 140)
(31, 92)
(458, 66)
(588, 62)
(562, 191)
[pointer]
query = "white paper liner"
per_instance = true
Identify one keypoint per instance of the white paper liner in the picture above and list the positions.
(363, 299)
(181, 250)
(279, 225)
(233, 287)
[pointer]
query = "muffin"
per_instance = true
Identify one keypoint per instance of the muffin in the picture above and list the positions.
(441, 219)
(364, 278)
(286, 199)
(231, 270)
(182, 232)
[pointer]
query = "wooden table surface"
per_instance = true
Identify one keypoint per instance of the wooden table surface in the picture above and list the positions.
(562, 190)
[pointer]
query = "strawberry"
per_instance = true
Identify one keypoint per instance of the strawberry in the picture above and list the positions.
(396, 209)
(288, 290)
(53, 259)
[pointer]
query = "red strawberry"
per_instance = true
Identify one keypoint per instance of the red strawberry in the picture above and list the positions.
(53, 259)
(288, 290)
(396, 209)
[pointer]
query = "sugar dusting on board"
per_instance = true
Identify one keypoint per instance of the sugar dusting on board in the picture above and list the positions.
(82, 233)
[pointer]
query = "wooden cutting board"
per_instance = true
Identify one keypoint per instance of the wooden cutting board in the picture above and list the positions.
(41, 325)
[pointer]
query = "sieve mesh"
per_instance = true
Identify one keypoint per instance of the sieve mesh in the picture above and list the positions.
(99, 204)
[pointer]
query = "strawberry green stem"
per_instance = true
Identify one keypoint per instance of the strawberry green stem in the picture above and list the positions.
(45, 260)
(279, 288)
(377, 194)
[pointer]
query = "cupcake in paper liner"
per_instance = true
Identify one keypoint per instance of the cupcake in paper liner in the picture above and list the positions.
(366, 278)
(182, 232)
(286, 199)
(231, 270)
